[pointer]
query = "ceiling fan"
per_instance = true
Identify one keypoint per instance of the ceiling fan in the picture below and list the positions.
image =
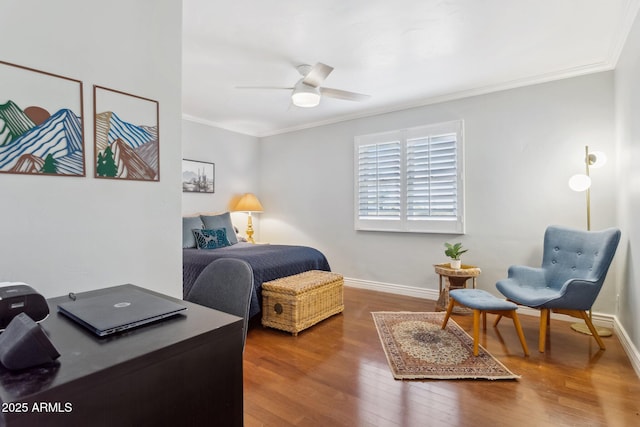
(307, 91)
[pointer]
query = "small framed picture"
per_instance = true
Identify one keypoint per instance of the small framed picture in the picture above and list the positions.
(198, 177)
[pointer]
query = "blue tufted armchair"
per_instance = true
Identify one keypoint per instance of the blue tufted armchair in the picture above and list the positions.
(574, 266)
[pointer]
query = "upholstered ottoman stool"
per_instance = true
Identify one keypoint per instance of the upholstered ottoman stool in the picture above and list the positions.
(297, 302)
(482, 302)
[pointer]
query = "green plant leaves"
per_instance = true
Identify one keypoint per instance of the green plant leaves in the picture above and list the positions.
(454, 251)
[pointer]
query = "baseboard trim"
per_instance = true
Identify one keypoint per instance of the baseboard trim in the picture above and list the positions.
(391, 288)
(627, 344)
(599, 319)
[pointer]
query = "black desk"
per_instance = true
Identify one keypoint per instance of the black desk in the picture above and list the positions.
(183, 371)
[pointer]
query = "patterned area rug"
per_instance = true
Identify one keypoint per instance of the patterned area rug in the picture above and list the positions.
(417, 348)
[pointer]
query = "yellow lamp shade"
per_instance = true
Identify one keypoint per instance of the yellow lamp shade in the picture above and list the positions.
(249, 203)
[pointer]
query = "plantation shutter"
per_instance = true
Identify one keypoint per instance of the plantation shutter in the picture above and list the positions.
(379, 180)
(410, 180)
(432, 177)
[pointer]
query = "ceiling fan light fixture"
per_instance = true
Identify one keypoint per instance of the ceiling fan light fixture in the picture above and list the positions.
(305, 96)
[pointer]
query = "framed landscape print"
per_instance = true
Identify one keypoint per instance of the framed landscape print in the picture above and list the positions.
(41, 123)
(127, 136)
(198, 177)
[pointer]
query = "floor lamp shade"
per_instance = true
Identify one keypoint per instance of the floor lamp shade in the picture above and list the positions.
(579, 182)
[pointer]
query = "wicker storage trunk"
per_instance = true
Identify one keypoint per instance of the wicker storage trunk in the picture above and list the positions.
(297, 302)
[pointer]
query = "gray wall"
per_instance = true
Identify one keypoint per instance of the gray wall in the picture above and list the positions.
(627, 91)
(521, 147)
(74, 234)
(236, 169)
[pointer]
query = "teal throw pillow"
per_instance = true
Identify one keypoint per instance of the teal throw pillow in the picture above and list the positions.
(212, 222)
(211, 239)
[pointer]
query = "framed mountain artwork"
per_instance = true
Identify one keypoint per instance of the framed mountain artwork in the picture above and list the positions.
(198, 177)
(127, 136)
(41, 123)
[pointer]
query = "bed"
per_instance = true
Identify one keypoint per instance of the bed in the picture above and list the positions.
(269, 262)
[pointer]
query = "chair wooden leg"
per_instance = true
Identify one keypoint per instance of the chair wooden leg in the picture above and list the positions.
(593, 329)
(516, 323)
(549, 322)
(544, 318)
(495, 324)
(476, 331)
(448, 313)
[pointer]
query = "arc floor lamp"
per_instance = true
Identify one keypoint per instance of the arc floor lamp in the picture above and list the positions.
(582, 182)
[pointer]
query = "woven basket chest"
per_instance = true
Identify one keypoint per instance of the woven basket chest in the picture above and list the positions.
(297, 302)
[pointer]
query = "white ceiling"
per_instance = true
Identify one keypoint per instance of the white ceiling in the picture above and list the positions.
(403, 53)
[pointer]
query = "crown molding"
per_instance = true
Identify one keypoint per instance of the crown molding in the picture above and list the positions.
(484, 90)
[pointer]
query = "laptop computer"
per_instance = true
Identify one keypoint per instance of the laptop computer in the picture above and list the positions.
(119, 310)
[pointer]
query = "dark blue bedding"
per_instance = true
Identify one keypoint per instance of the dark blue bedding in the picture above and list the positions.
(269, 262)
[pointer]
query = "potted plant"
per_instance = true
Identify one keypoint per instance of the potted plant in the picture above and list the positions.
(454, 251)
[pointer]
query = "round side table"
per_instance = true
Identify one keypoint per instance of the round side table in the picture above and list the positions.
(457, 280)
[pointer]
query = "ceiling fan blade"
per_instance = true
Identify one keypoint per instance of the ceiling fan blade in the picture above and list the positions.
(317, 74)
(343, 94)
(264, 87)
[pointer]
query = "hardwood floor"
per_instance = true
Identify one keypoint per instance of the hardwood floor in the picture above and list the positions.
(336, 374)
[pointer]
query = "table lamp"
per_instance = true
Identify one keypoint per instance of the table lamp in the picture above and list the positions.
(249, 203)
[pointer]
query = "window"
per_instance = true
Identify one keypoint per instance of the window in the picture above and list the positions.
(411, 180)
